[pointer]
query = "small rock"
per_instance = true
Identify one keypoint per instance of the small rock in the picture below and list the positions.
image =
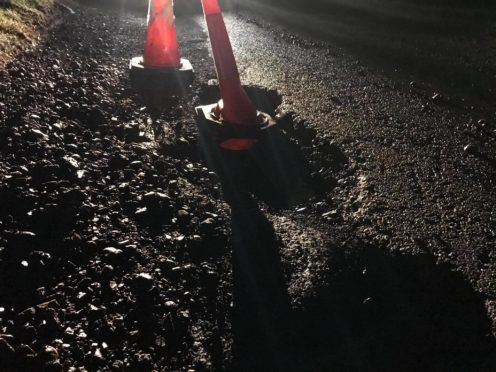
(38, 135)
(182, 213)
(144, 276)
(137, 164)
(53, 304)
(107, 271)
(143, 281)
(170, 305)
(48, 354)
(70, 162)
(436, 98)
(69, 331)
(26, 351)
(117, 365)
(208, 222)
(6, 351)
(153, 196)
(112, 251)
(141, 211)
(98, 357)
(143, 361)
(470, 149)
(331, 214)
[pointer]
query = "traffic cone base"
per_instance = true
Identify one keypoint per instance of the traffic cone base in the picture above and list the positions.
(169, 79)
(234, 121)
(161, 68)
(231, 136)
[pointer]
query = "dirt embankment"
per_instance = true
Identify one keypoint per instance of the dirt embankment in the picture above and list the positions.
(21, 23)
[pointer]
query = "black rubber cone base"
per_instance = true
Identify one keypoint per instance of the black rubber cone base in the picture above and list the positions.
(231, 136)
(171, 80)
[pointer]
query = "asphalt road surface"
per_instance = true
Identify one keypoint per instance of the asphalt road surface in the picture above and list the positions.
(358, 235)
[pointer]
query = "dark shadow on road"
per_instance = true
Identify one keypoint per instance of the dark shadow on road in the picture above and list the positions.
(260, 296)
(259, 290)
(381, 311)
(378, 312)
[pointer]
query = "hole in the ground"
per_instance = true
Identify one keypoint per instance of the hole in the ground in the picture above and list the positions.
(289, 165)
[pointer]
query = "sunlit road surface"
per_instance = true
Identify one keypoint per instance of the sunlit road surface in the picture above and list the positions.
(410, 181)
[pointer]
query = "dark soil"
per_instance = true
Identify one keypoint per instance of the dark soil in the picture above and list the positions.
(128, 245)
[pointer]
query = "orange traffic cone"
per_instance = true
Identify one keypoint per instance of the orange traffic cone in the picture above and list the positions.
(161, 49)
(234, 119)
(161, 67)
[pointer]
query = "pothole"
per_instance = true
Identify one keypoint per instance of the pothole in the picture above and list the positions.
(289, 165)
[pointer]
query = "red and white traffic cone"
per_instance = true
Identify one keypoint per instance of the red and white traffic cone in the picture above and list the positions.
(234, 120)
(160, 67)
